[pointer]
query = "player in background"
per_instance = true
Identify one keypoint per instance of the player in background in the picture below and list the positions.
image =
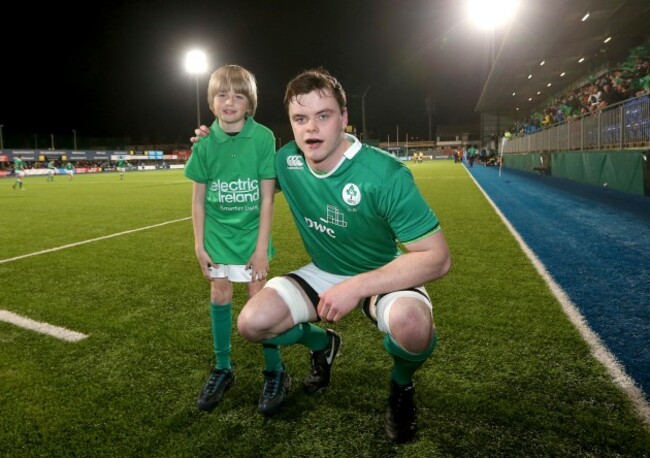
(19, 171)
(121, 167)
(232, 208)
(69, 170)
(51, 170)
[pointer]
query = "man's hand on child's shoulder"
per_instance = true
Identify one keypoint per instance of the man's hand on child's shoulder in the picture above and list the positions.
(202, 131)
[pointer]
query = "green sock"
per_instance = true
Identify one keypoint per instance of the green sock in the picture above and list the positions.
(314, 337)
(405, 363)
(221, 318)
(307, 334)
(272, 359)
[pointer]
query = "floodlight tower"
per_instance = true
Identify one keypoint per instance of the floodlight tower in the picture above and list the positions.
(196, 62)
(488, 16)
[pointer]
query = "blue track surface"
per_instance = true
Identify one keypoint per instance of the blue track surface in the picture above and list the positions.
(595, 243)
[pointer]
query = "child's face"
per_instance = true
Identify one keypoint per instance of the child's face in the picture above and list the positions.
(230, 108)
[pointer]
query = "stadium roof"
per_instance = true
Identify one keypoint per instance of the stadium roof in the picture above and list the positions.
(553, 32)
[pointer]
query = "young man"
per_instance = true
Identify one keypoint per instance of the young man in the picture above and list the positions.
(19, 171)
(69, 170)
(51, 170)
(121, 168)
(352, 204)
(472, 154)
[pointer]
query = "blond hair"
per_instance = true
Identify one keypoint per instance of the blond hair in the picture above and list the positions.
(237, 79)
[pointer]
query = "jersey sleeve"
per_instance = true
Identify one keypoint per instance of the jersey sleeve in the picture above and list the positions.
(195, 168)
(405, 209)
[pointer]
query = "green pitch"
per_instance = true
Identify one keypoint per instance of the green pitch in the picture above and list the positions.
(510, 375)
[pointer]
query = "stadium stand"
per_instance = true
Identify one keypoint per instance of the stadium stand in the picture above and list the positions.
(580, 96)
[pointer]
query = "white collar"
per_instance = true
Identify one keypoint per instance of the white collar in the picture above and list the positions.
(352, 151)
(354, 148)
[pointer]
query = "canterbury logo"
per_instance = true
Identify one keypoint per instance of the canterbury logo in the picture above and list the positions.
(294, 162)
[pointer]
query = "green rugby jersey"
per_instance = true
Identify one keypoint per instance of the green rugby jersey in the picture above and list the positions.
(232, 168)
(19, 164)
(351, 219)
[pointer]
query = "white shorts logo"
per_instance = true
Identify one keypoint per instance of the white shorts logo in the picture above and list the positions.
(294, 162)
(351, 194)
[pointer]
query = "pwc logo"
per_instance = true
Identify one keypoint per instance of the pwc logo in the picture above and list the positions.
(294, 162)
(318, 227)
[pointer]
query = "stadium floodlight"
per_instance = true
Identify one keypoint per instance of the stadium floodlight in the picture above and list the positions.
(196, 62)
(488, 16)
(491, 14)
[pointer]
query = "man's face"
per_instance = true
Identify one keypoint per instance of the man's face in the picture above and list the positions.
(319, 129)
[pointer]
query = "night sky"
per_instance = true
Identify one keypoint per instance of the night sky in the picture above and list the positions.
(117, 68)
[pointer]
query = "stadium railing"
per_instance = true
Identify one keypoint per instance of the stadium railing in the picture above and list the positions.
(623, 125)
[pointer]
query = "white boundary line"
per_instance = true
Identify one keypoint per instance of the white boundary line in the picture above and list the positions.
(598, 349)
(83, 242)
(43, 328)
(56, 331)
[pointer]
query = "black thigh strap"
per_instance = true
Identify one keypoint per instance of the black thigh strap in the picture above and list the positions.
(381, 296)
(365, 303)
(311, 292)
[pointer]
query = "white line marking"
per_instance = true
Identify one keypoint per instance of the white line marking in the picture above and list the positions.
(83, 242)
(598, 349)
(43, 328)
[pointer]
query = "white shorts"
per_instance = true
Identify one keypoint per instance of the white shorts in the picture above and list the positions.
(50, 172)
(320, 281)
(21, 174)
(234, 273)
(120, 169)
(70, 172)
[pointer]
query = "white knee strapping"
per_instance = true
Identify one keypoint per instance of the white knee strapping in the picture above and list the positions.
(292, 296)
(386, 303)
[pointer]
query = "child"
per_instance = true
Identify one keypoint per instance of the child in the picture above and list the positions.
(232, 207)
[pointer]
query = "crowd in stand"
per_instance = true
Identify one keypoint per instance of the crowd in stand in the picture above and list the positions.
(630, 79)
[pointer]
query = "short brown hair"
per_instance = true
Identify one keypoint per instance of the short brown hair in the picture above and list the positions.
(316, 79)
